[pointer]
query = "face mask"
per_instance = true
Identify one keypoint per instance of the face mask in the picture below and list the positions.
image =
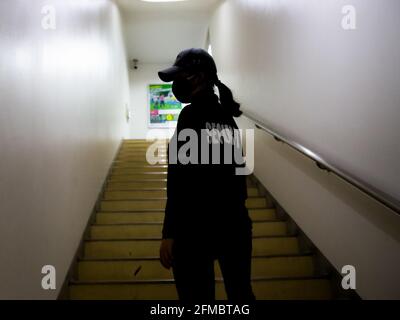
(182, 89)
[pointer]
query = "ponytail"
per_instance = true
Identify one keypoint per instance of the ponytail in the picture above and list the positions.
(227, 100)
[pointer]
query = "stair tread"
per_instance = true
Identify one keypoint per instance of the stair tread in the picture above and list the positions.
(159, 238)
(162, 210)
(141, 180)
(143, 204)
(139, 189)
(172, 281)
(157, 258)
(150, 247)
(277, 289)
(150, 198)
(160, 223)
(153, 229)
(149, 193)
(150, 269)
(114, 217)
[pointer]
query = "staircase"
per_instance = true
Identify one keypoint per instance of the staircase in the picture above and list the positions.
(121, 253)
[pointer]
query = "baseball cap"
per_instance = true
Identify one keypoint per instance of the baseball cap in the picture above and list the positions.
(189, 60)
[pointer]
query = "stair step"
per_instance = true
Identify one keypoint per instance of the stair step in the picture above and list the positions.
(148, 269)
(118, 163)
(142, 147)
(145, 194)
(114, 185)
(132, 205)
(264, 289)
(136, 185)
(140, 204)
(145, 176)
(138, 156)
(129, 217)
(141, 152)
(104, 232)
(139, 161)
(106, 249)
(158, 216)
(136, 142)
(134, 194)
(135, 231)
(138, 176)
(140, 169)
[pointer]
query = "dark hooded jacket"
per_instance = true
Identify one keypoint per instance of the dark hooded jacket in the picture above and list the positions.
(204, 200)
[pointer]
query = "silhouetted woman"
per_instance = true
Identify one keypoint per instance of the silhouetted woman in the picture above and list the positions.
(205, 216)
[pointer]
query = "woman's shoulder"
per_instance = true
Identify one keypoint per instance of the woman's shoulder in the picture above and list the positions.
(186, 116)
(186, 111)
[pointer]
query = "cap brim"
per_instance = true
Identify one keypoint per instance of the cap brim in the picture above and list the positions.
(169, 74)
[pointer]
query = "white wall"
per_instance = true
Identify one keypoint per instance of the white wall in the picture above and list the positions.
(62, 97)
(290, 64)
(158, 36)
(139, 113)
(333, 90)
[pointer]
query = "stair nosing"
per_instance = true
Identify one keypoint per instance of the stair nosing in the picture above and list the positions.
(138, 189)
(161, 223)
(153, 166)
(165, 198)
(142, 173)
(153, 210)
(137, 180)
(159, 238)
(172, 281)
(134, 164)
(136, 211)
(144, 211)
(157, 258)
(135, 199)
(152, 198)
(162, 210)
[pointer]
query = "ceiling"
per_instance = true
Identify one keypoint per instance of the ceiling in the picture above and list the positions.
(141, 6)
(156, 32)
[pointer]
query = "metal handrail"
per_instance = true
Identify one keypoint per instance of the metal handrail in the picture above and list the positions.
(378, 195)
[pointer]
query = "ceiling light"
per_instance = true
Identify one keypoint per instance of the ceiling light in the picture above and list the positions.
(163, 0)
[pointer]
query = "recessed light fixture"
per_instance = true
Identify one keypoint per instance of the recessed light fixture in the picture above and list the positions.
(163, 0)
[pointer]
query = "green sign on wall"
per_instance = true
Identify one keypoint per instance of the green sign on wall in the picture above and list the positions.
(164, 107)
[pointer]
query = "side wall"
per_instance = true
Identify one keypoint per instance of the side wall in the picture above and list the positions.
(62, 116)
(292, 65)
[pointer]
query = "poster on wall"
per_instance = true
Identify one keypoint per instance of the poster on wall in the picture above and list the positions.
(163, 106)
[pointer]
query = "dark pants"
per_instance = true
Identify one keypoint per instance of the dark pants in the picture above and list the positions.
(193, 265)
